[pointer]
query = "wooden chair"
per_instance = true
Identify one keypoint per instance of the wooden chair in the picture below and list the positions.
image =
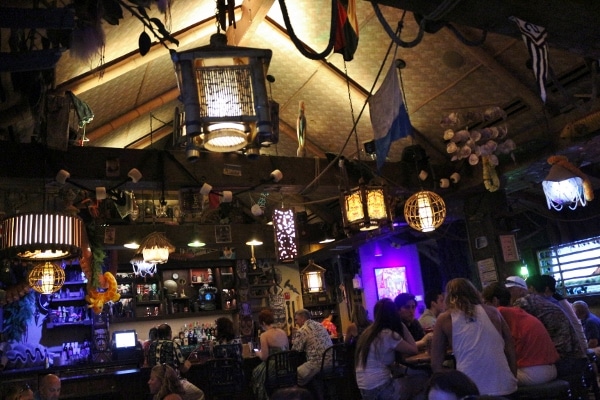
(337, 372)
(281, 370)
(225, 378)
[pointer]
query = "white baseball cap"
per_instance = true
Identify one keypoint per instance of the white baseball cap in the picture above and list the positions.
(515, 281)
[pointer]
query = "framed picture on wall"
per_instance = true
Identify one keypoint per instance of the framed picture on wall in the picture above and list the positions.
(223, 233)
(390, 281)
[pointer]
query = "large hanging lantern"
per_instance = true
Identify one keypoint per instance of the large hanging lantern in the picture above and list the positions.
(223, 89)
(46, 278)
(313, 278)
(155, 248)
(425, 211)
(566, 185)
(365, 207)
(42, 236)
(284, 227)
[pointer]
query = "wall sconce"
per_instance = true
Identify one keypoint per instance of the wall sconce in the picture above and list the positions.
(42, 236)
(252, 243)
(196, 242)
(566, 185)
(142, 268)
(155, 248)
(425, 211)
(365, 207)
(377, 252)
(223, 89)
(284, 227)
(313, 278)
(46, 278)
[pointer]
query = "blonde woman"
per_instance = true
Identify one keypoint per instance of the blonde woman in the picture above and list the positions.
(165, 384)
(479, 338)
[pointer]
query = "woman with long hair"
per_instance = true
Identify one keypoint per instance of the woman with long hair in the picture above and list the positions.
(166, 386)
(375, 354)
(272, 340)
(359, 322)
(164, 383)
(479, 338)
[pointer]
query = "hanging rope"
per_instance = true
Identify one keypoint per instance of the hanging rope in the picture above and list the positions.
(439, 13)
(299, 45)
(337, 158)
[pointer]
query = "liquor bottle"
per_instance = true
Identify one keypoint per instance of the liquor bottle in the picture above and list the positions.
(65, 352)
(194, 337)
(70, 350)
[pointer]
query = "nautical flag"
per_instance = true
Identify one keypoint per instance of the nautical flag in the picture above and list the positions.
(346, 35)
(389, 117)
(534, 37)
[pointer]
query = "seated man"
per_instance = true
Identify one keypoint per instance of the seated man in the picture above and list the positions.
(591, 325)
(312, 338)
(434, 301)
(406, 304)
(49, 388)
(535, 350)
(165, 351)
(573, 360)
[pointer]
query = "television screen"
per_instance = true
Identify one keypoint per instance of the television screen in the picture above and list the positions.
(124, 339)
(390, 281)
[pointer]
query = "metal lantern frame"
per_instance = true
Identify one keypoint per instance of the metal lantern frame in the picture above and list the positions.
(223, 89)
(286, 236)
(425, 211)
(46, 278)
(365, 207)
(313, 278)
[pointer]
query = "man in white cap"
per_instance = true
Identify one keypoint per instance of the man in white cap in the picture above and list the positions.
(517, 288)
(572, 359)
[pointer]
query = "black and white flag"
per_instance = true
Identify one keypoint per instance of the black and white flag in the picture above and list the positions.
(534, 37)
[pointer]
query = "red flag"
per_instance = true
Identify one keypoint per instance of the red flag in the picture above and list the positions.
(214, 200)
(346, 35)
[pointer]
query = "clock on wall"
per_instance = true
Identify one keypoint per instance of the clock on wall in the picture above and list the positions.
(175, 276)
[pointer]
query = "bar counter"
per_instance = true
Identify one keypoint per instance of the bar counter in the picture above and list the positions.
(116, 380)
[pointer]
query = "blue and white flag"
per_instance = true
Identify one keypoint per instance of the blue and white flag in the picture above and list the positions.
(389, 117)
(534, 37)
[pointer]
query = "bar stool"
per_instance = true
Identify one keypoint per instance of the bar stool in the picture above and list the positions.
(553, 390)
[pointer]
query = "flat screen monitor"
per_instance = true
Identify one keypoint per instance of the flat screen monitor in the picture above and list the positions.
(125, 339)
(390, 281)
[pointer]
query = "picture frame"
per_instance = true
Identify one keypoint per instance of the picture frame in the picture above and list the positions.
(510, 251)
(223, 233)
(390, 281)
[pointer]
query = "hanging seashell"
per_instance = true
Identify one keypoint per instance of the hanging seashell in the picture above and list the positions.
(475, 135)
(493, 160)
(461, 136)
(486, 134)
(494, 132)
(492, 113)
(464, 152)
(502, 131)
(451, 148)
(473, 159)
(451, 119)
(448, 134)
(491, 145)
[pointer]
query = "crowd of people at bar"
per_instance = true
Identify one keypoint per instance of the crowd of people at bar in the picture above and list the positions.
(511, 334)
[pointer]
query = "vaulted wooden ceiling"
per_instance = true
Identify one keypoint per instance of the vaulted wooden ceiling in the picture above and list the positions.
(133, 98)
